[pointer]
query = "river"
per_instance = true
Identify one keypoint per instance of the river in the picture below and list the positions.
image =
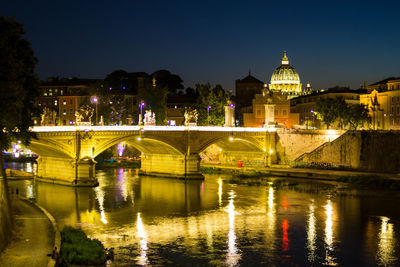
(161, 221)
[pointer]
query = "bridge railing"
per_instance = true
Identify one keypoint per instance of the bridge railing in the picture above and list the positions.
(149, 128)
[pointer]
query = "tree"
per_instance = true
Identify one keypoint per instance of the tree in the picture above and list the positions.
(326, 111)
(342, 111)
(165, 79)
(18, 89)
(211, 104)
(155, 100)
(357, 115)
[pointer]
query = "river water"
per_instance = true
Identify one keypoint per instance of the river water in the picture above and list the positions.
(161, 221)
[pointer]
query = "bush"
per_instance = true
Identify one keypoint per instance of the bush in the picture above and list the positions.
(78, 249)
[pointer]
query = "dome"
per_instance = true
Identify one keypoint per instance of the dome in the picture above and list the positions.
(286, 79)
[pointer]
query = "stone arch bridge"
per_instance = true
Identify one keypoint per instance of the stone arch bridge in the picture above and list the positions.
(66, 154)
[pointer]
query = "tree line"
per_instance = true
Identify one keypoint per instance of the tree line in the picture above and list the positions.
(115, 105)
(331, 110)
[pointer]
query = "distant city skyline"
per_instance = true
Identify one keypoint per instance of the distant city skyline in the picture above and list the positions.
(329, 44)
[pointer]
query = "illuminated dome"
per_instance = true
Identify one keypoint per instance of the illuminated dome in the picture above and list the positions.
(286, 79)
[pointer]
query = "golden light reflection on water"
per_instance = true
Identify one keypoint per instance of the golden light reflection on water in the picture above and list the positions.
(219, 181)
(386, 243)
(329, 259)
(233, 255)
(311, 232)
(100, 198)
(142, 235)
(220, 223)
(270, 220)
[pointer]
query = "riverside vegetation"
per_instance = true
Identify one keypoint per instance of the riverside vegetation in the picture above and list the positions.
(79, 250)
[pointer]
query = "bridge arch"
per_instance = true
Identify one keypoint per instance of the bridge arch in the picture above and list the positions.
(232, 143)
(50, 148)
(145, 144)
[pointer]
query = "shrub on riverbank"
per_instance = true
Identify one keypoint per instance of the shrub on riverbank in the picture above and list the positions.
(78, 249)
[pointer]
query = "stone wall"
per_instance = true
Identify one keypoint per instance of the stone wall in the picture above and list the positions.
(291, 144)
(5, 218)
(374, 151)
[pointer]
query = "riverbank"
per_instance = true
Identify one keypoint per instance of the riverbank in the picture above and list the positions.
(35, 235)
(352, 177)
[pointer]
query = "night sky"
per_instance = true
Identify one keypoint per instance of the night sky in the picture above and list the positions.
(328, 42)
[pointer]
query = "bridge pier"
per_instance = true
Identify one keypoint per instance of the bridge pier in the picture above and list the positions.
(66, 171)
(167, 165)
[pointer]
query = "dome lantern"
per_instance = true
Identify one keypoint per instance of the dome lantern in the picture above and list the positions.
(285, 60)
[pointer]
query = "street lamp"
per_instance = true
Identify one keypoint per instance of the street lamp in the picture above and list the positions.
(208, 115)
(95, 100)
(142, 104)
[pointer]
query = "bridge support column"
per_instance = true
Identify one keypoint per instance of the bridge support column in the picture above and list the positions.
(177, 166)
(66, 171)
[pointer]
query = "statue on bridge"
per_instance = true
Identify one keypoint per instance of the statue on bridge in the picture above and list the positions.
(191, 117)
(84, 115)
(48, 117)
(149, 118)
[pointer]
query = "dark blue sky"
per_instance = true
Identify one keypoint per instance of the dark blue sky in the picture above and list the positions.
(328, 42)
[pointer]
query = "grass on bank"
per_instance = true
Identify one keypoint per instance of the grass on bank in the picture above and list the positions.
(78, 249)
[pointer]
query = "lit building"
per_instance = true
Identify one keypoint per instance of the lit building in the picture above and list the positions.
(383, 104)
(176, 106)
(391, 83)
(286, 80)
(306, 104)
(271, 106)
(64, 96)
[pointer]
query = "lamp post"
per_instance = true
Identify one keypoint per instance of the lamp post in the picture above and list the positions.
(142, 104)
(95, 100)
(208, 115)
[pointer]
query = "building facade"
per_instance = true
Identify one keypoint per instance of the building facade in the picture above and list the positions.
(306, 105)
(64, 97)
(384, 109)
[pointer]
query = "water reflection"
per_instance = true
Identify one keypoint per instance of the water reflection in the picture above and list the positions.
(329, 258)
(219, 181)
(142, 235)
(386, 243)
(158, 221)
(100, 198)
(233, 254)
(311, 232)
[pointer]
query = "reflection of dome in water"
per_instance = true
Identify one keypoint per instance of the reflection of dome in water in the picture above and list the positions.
(286, 79)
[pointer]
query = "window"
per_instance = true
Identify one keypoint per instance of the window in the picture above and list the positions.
(61, 92)
(45, 93)
(398, 110)
(284, 112)
(64, 102)
(39, 104)
(276, 113)
(70, 111)
(258, 112)
(392, 110)
(70, 101)
(64, 122)
(55, 102)
(64, 112)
